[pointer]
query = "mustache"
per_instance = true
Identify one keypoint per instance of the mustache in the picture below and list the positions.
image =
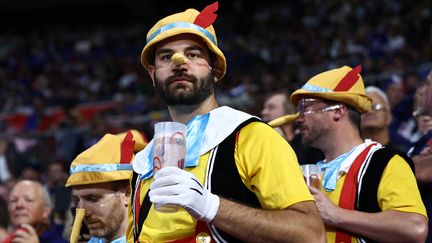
(181, 75)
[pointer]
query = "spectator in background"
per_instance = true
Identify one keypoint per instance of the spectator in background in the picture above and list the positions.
(30, 208)
(4, 219)
(5, 174)
(99, 179)
(277, 105)
(375, 123)
(421, 151)
(399, 92)
(68, 134)
(394, 90)
(369, 192)
(31, 170)
(61, 196)
(6, 187)
(4, 191)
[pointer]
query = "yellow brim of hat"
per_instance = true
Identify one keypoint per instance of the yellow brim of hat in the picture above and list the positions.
(280, 121)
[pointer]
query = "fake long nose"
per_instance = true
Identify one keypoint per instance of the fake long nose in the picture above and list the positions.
(79, 216)
(178, 59)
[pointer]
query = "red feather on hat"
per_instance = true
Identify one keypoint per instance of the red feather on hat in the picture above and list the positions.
(127, 148)
(207, 15)
(349, 80)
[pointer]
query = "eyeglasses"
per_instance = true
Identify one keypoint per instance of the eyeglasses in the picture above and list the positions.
(377, 107)
(304, 107)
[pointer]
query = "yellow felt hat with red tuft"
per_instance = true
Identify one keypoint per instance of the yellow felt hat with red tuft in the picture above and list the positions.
(190, 21)
(343, 85)
(107, 160)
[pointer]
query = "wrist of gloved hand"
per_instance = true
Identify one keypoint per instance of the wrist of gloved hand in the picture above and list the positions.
(175, 186)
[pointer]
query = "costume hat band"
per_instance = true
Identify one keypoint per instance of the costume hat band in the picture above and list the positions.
(100, 168)
(184, 25)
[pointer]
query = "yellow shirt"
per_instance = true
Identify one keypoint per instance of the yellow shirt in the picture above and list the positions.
(397, 190)
(267, 166)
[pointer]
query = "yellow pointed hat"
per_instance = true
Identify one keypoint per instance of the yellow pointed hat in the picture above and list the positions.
(343, 85)
(190, 21)
(107, 160)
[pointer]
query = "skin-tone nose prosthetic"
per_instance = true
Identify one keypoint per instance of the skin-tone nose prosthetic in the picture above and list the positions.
(178, 59)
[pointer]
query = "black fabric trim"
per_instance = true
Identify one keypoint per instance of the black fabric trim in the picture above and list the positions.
(145, 207)
(367, 200)
(226, 181)
(133, 182)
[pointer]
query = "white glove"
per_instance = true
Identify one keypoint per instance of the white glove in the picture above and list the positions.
(172, 185)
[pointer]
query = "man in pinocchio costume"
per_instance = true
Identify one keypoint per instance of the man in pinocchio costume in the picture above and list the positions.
(241, 180)
(369, 192)
(100, 180)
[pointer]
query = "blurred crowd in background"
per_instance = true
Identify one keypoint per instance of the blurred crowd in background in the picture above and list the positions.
(64, 86)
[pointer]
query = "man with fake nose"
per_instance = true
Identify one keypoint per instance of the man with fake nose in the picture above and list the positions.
(100, 178)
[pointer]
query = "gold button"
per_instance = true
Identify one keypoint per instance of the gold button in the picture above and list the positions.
(203, 237)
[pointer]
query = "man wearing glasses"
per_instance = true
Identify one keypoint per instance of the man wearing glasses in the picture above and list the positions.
(375, 123)
(369, 193)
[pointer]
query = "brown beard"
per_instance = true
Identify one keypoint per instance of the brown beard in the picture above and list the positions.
(201, 89)
(112, 221)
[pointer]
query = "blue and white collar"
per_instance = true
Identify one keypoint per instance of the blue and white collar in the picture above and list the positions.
(210, 130)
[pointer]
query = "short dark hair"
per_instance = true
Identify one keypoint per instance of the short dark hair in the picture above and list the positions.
(354, 116)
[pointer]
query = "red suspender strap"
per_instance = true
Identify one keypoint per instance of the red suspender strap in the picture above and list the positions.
(349, 190)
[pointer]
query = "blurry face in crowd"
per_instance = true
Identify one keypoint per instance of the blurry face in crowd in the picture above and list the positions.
(29, 173)
(424, 123)
(423, 108)
(185, 84)
(379, 116)
(26, 204)
(105, 209)
(273, 107)
(57, 175)
(395, 93)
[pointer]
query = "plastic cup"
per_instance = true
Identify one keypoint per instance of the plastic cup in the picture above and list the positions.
(169, 149)
(312, 175)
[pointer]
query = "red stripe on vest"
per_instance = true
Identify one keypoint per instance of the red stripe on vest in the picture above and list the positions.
(349, 191)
